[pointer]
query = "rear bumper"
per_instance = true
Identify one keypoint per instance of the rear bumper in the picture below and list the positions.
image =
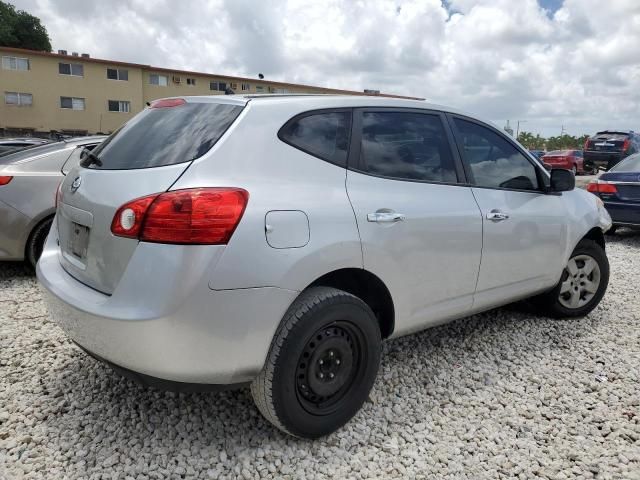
(189, 335)
(624, 213)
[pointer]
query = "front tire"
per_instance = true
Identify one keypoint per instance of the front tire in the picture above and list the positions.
(321, 365)
(582, 285)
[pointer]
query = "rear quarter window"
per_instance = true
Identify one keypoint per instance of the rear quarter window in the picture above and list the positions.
(322, 134)
(157, 137)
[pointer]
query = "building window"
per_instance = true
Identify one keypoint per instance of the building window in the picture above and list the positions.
(259, 88)
(18, 99)
(160, 80)
(246, 86)
(123, 106)
(72, 103)
(73, 69)
(233, 86)
(191, 81)
(117, 74)
(219, 86)
(15, 63)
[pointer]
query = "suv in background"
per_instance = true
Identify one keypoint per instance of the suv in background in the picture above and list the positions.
(605, 149)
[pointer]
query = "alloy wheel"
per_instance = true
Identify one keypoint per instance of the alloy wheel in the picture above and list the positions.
(580, 281)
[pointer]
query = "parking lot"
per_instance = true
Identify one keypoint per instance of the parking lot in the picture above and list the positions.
(503, 394)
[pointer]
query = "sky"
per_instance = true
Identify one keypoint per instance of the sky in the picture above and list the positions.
(551, 64)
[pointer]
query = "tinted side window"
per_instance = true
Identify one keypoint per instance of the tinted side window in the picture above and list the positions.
(406, 145)
(325, 135)
(494, 161)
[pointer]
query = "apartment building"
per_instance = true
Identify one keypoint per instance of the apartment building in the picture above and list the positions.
(76, 94)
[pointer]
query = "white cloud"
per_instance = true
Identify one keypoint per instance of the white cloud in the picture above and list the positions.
(578, 67)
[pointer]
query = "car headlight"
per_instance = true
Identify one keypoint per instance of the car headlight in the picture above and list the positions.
(603, 216)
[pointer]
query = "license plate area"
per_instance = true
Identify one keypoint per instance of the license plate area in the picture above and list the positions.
(76, 243)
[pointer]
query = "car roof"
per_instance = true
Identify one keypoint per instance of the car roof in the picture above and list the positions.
(331, 101)
(320, 101)
(24, 140)
(31, 153)
(84, 140)
(617, 132)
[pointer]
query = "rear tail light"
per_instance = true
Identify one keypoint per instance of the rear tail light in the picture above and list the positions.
(5, 180)
(626, 145)
(601, 186)
(206, 216)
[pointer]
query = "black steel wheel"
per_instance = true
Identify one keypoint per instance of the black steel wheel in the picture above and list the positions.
(321, 365)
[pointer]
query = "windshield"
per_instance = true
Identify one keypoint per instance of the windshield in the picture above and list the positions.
(629, 164)
(164, 136)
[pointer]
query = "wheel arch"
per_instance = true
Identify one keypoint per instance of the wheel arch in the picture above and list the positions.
(596, 235)
(35, 224)
(366, 286)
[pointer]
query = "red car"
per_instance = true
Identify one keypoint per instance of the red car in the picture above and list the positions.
(567, 159)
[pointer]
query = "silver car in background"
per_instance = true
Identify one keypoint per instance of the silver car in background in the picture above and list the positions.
(278, 240)
(28, 182)
(9, 145)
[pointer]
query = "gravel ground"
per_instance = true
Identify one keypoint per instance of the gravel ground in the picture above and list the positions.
(504, 394)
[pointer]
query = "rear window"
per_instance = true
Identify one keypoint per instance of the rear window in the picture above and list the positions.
(157, 137)
(615, 136)
(322, 134)
(629, 164)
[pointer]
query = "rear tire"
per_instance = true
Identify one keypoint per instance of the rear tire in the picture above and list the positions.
(575, 170)
(35, 244)
(321, 365)
(612, 230)
(582, 285)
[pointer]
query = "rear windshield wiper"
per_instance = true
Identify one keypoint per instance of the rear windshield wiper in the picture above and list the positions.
(90, 159)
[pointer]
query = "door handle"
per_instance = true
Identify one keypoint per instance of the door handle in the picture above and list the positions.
(497, 216)
(385, 217)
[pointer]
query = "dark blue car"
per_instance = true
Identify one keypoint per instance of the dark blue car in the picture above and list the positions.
(619, 189)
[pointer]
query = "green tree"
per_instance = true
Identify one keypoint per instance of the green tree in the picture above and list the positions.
(20, 29)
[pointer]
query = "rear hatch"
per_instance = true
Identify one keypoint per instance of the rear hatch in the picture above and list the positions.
(145, 156)
(607, 142)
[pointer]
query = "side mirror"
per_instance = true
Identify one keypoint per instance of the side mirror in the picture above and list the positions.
(562, 180)
(84, 153)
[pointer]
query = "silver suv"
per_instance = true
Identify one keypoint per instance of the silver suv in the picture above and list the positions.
(277, 241)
